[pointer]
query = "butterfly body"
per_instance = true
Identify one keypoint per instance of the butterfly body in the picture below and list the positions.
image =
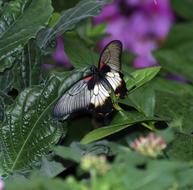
(93, 93)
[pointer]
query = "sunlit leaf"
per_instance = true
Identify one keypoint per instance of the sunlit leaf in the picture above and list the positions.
(140, 77)
(120, 122)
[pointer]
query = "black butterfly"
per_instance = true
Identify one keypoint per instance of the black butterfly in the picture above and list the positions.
(93, 92)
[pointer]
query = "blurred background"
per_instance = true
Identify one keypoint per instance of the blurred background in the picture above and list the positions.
(153, 32)
(141, 25)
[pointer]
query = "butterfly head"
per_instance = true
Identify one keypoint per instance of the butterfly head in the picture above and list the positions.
(94, 69)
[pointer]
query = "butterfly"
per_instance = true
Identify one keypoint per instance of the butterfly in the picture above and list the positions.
(93, 92)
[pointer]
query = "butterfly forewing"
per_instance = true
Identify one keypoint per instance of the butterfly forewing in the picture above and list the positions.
(76, 98)
(111, 56)
(110, 66)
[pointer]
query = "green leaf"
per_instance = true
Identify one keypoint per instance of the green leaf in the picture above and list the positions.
(172, 86)
(9, 14)
(75, 151)
(27, 72)
(28, 130)
(50, 168)
(120, 122)
(140, 77)
(183, 9)
(1, 109)
(178, 60)
(145, 173)
(63, 5)
(6, 63)
(179, 34)
(78, 54)
(69, 18)
(24, 26)
(6, 80)
(127, 58)
(177, 108)
(181, 148)
(142, 99)
(67, 153)
(14, 8)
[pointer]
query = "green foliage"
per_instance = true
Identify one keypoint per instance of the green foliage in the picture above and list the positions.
(128, 170)
(183, 9)
(20, 30)
(84, 57)
(29, 123)
(36, 148)
(68, 20)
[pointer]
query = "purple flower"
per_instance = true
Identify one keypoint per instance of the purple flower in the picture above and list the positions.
(1, 184)
(59, 55)
(140, 25)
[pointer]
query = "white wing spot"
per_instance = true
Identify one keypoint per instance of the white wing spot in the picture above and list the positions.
(117, 75)
(110, 74)
(96, 101)
(96, 89)
(93, 99)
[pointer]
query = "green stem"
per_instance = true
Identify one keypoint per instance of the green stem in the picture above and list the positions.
(150, 126)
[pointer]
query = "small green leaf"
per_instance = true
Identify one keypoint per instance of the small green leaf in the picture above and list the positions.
(50, 168)
(140, 77)
(67, 153)
(120, 122)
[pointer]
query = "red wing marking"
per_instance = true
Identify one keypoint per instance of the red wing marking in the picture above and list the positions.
(88, 78)
(102, 65)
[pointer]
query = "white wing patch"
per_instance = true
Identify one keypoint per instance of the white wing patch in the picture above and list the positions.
(114, 79)
(100, 95)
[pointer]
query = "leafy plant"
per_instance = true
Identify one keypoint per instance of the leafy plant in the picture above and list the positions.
(36, 148)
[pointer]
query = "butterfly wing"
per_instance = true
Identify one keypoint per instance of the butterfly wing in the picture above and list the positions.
(110, 67)
(93, 92)
(111, 56)
(87, 94)
(76, 98)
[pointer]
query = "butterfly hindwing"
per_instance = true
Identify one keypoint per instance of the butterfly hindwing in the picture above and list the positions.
(101, 101)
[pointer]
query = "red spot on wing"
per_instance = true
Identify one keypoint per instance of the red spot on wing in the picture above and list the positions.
(88, 78)
(102, 65)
